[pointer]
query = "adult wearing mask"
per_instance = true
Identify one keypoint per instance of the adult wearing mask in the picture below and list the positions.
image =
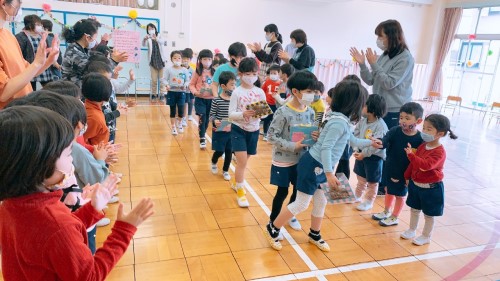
(55, 69)
(156, 58)
(15, 72)
(269, 54)
(29, 40)
(304, 57)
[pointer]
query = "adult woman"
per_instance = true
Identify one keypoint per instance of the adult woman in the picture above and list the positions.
(15, 72)
(269, 54)
(157, 58)
(391, 74)
(29, 40)
(82, 37)
(304, 57)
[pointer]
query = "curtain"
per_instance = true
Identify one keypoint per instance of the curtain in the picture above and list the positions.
(452, 17)
(121, 3)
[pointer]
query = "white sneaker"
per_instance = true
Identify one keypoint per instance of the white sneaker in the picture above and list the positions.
(321, 244)
(295, 224)
(264, 138)
(242, 199)
(355, 201)
(421, 240)
(273, 242)
(365, 206)
(190, 118)
(408, 234)
(203, 144)
(181, 129)
(390, 221)
(382, 215)
(174, 131)
(114, 199)
(103, 222)
(215, 170)
(226, 176)
(183, 122)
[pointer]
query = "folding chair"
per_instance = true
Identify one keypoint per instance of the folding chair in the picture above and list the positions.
(452, 102)
(494, 112)
(433, 97)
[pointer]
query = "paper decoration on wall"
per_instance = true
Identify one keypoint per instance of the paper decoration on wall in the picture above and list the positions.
(130, 42)
(333, 63)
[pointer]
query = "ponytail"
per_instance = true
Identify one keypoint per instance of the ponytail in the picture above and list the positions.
(452, 135)
(273, 28)
(80, 29)
(279, 37)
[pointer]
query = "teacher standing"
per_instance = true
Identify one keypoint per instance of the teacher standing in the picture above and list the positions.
(156, 59)
(269, 54)
(391, 74)
(304, 57)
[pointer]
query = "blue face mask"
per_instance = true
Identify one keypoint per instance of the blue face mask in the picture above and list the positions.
(426, 137)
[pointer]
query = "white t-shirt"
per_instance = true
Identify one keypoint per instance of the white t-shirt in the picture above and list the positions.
(240, 98)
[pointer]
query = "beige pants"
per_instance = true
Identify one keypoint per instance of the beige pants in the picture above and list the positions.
(157, 74)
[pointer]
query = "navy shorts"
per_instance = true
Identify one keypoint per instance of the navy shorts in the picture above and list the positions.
(310, 174)
(396, 188)
(429, 200)
(189, 97)
(284, 176)
(242, 140)
(221, 141)
(369, 168)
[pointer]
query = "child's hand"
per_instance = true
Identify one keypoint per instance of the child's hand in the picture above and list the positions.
(131, 75)
(100, 152)
(299, 145)
(139, 213)
(123, 110)
(217, 123)
(248, 113)
(359, 57)
(100, 197)
(409, 149)
(407, 182)
(315, 135)
(377, 143)
(332, 180)
(358, 156)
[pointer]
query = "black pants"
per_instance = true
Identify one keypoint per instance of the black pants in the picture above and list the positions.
(267, 121)
(202, 108)
(344, 167)
(391, 120)
(278, 200)
(227, 158)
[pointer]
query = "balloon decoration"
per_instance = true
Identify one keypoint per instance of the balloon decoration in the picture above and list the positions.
(132, 14)
(470, 63)
(490, 52)
(472, 36)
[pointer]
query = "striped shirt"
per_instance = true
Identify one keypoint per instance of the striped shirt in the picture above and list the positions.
(219, 109)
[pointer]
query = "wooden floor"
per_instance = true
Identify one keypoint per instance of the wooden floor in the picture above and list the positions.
(200, 233)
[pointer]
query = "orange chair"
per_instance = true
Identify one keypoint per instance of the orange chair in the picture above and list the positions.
(452, 102)
(494, 112)
(433, 97)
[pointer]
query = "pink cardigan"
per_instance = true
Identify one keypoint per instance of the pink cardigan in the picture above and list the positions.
(200, 86)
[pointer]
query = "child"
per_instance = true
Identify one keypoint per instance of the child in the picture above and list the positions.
(221, 141)
(368, 165)
(424, 176)
(187, 56)
(177, 79)
(316, 166)
(237, 51)
(396, 140)
(271, 87)
(286, 153)
(286, 70)
(96, 88)
(200, 86)
(245, 126)
(317, 104)
(35, 224)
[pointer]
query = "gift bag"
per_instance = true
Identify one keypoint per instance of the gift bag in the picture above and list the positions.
(225, 126)
(345, 193)
(261, 108)
(304, 132)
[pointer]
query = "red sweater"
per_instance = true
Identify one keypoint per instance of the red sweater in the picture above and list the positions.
(426, 166)
(82, 142)
(41, 239)
(271, 88)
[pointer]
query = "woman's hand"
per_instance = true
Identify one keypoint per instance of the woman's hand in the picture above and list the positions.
(359, 57)
(371, 56)
(139, 213)
(119, 56)
(284, 56)
(251, 47)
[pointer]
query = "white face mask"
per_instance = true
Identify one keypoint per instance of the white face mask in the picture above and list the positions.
(177, 63)
(39, 29)
(83, 130)
(380, 44)
(206, 64)
(250, 80)
(13, 18)
(151, 32)
(307, 98)
(274, 77)
(268, 37)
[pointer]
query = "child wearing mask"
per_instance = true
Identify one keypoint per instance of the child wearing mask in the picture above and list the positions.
(271, 87)
(237, 51)
(177, 78)
(187, 56)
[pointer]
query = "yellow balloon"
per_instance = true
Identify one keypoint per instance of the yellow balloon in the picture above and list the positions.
(132, 14)
(469, 63)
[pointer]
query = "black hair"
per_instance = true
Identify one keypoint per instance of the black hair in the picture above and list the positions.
(302, 80)
(320, 87)
(237, 49)
(65, 88)
(30, 21)
(152, 25)
(205, 53)
(412, 108)
(376, 105)
(273, 67)
(348, 98)
(225, 77)
(96, 87)
(33, 139)
(187, 53)
(442, 124)
(103, 49)
(81, 28)
(97, 67)
(175, 53)
(273, 28)
(287, 69)
(68, 107)
(299, 36)
(395, 37)
(219, 56)
(257, 83)
(248, 65)
(353, 77)
(222, 61)
(47, 24)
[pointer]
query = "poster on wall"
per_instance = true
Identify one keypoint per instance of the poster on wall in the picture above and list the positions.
(141, 4)
(128, 41)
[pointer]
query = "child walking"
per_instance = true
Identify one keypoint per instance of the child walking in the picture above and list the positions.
(221, 140)
(396, 140)
(271, 88)
(245, 125)
(425, 177)
(286, 153)
(177, 79)
(237, 51)
(200, 86)
(187, 56)
(317, 104)
(368, 165)
(316, 166)
(281, 97)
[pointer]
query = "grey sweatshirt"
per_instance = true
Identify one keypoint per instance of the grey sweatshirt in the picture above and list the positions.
(365, 130)
(177, 78)
(391, 78)
(88, 170)
(279, 132)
